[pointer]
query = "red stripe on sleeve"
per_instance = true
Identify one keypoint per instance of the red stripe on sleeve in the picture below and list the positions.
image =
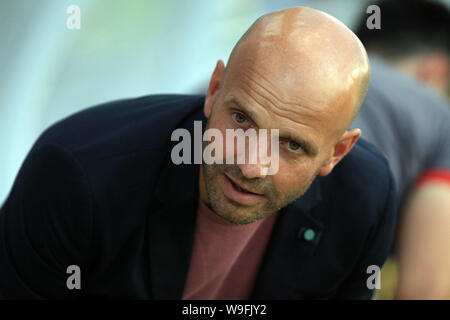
(440, 174)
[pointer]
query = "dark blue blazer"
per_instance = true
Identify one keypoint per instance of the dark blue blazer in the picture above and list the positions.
(99, 190)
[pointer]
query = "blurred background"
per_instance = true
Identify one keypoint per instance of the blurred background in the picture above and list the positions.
(122, 49)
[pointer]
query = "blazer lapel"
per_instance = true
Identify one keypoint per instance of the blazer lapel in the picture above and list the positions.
(171, 225)
(294, 239)
(171, 230)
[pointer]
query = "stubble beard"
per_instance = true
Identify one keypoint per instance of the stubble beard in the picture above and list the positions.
(236, 213)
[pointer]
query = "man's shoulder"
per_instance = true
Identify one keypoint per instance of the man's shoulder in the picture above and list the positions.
(396, 101)
(122, 126)
(366, 157)
(366, 164)
(362, 179)
(122, 145)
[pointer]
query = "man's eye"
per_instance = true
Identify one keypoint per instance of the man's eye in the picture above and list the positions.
(239, 118)
(294, 146)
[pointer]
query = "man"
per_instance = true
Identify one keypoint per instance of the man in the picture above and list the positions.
(100, 192)
(410, 125)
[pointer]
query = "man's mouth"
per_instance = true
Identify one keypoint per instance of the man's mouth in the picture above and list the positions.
(238, 193)
(241, 189)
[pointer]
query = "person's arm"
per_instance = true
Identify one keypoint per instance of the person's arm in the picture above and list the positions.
(45, 226)
(424, 243)
(376, 251)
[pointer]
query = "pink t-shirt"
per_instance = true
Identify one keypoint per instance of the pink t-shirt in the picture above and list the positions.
(226, 258)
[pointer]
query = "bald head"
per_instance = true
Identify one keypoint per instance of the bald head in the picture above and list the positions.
(309, 58)
(298, 71)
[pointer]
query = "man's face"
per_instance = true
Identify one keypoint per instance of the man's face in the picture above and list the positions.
(240, 193)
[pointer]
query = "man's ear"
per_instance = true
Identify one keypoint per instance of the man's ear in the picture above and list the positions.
(215, 83)
(344, 145)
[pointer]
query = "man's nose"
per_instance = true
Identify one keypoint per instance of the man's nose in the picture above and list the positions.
(253, 171)
(253, 166)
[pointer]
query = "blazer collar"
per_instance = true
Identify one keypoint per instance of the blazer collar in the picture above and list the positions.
(171, 226)
(288, 250)
(180, 182)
